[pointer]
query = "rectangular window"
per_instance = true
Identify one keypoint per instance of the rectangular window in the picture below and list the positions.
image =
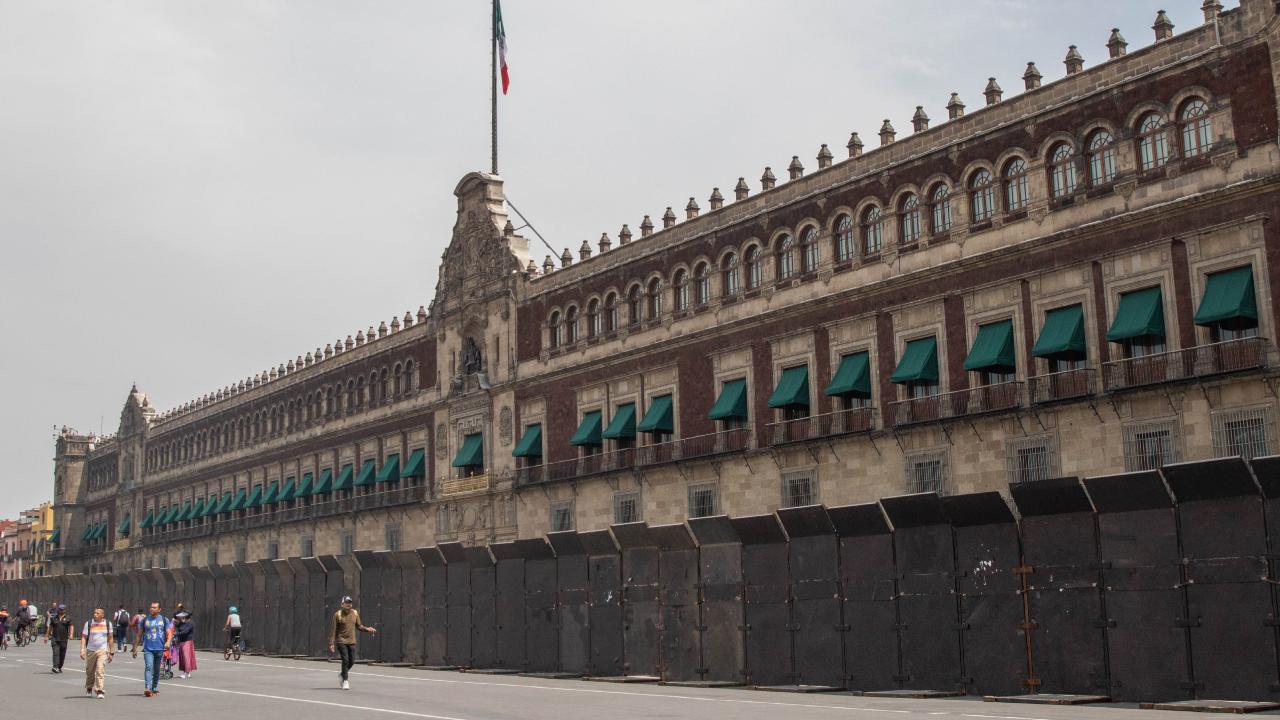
(392, 533)
(242, 553)
(927, 471)
(1243, 432)
(704, 500)
(211, 557)
(626, 508)
(1031, 458)
(308, 545)
(1150, 445)
(185, 559)
(562, 516)
(799, 489)
(273, 549)
(347, 543)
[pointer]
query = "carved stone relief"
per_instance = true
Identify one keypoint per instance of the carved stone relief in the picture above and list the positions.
(504, 426)
(442, 441)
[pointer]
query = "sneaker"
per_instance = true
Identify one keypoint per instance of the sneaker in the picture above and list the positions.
(102, 696)
(146, 693)
(346, 685)
(88, 691)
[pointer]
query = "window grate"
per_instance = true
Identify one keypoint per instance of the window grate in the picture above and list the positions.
(626, 508)
(704, 500)
(1243, 432)
(562, 516)
(308, 547)
(348, 543)
(1150, 445)
(273, 550)
(211, 557)
(799, 489)
(242, 553)
(927, 471)
(1029, 459)
(392, 533)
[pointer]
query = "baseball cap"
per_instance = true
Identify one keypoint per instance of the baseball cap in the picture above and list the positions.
(347, 599)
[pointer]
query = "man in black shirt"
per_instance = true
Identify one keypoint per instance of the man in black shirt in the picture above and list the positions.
(61, 632)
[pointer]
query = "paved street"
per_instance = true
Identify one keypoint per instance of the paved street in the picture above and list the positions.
(264, 687)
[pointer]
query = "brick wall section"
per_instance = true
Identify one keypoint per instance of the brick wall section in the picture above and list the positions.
(1101, 319)
(957, 342)
(822, 370)
(762, 367)
(1028, 326)
(1181, 295)
(885, 360)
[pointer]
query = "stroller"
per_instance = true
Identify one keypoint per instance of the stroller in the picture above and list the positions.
(170, 659)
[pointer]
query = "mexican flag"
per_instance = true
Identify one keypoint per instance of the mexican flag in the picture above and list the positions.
(500, 35)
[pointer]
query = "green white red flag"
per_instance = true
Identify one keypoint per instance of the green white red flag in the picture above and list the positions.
(500, 34)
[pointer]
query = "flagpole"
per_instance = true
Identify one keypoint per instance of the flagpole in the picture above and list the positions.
(493, 83)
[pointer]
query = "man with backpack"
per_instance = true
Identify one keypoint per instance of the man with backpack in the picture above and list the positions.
(154, 634)
(121, 621)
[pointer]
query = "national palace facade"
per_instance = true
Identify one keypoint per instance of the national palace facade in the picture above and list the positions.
(1074, 280)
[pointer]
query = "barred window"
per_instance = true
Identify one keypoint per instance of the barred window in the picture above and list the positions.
(927, 471)
(633, 305)
(392, 536)
(981, 196)
(562, 516)
(704, 500)
(557, 332)
(1197, 132)
(910, 213)
(655, 299)
(872, 232)
(211, 557)
(1150, 445)
(347, 543)
(593, 318)
(941, 200)
(681, 283)
(242, 553)
(1015, 185)
(729, 274)
(752, 259)
(626, 507)
(786, 257)
(844, 238)
(1062, 170)
(185, 559)
(1031, 458)
(799, 489)
(610, 316)
(809, 250)
(1153, 142)
(308, 546)
(1243, 432)
(1102, 158)
(273, 550)
(701, 285)
(571, 325)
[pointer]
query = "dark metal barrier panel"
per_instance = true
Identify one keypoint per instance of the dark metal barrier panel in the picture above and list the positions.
(868, 589)
(640, 613)
(303, 598)
(316, 642)
(720, 598)
(572, 596)
(814, 559)
(209, 617)
(98, 585)
(605, 604)
(288, 612)
(1266, 471)
(925, 559)
(678, 603)
(988, 559)
(369, 601)
(269, 635)
(542, 644)
(484, 620)
(1141, 568)
(1063, 587)
(765, 573)
(390, 603)
(509, 604)
(255, 575)
(335, 586)
(435, 593)
(1223, 535)
(412, 611)
(166, 590)
(226, 594)
(458, 571)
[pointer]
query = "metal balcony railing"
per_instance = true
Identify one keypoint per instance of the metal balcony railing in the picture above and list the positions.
(840, 422)
(1195, 362)
(459, 485)
(628, 459)
(1064, 385)
(960, 403)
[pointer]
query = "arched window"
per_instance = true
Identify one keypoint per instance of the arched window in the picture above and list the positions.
(610, 312)
(351, 395)
(398, 386)
(655, 298)
(633, 304)
(1062, 170)
(382, 385)
(940, 199)
(410, 379)
(360, 391)
(1197, 131)
(809, 250)
(752, 259)
(872, 232)
(1153, 142)
(909, 215)
(981, 196)
(1015, 185)
(1102, 158)
(844, 238)
(701, 285)
(729, 274)
(571, 325)
(681, 282)
(557, 330)
(786, 257)
(593, 318)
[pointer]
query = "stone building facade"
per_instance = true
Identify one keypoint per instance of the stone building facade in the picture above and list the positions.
(1075, 280)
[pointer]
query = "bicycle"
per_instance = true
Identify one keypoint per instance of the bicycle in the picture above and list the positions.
(233, 646)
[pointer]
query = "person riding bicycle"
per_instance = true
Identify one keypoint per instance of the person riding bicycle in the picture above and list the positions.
(22, 630)
(232, 627)
(4, 627)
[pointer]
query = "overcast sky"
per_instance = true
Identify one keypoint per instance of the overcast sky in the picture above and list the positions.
(194, 191)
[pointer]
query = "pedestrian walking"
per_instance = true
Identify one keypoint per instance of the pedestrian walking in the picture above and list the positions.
(184, 642)
(121, 631)
(96, 650)
(342, 633)
(155, 635)
(60, 632)
(4, 627)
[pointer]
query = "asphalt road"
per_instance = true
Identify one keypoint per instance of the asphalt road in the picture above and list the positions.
(258, 687)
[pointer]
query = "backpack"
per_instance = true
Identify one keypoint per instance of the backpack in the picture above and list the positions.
(122, 617)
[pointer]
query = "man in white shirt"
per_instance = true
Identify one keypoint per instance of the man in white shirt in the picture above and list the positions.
(96, 650)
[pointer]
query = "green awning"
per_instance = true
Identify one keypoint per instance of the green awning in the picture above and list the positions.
(240, 500)
(344, 478)
(101, 532)
(1228, 295)
(530, 444)
(211, 507)
(88, 532)
(272, 495)
(919, 362)
(147, 519)
(853, 377)
(367, 472)
(227, 501)
(732, 403)
(792, 389)
(659, 417)
(162, 517)
(324, 485)
(307, 486)
(288, 491)
(623, 424)
(1141, 314)
(1062, 337)
(588, 432)
(993, 348)
(255, 497)
(417, 465)
(184, 513)
(55, 538)
(390, 469)
(197, 509)
(471, 452)
(172, 516)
